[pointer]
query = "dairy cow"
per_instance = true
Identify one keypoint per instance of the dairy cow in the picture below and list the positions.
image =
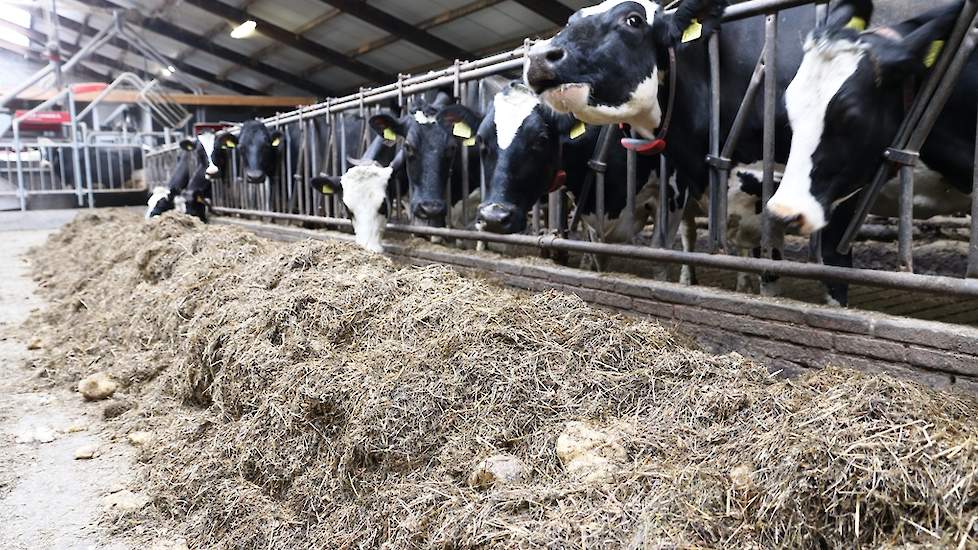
(845, 105)
(259, 149)
(606, 66)
(209, 152)
(527, 149)
(184, 191)
(432, 136)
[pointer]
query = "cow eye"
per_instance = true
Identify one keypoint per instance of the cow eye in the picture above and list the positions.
(634, 20)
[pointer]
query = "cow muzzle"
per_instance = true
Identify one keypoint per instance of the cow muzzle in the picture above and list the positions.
(501, 218)
(541, 71)
(255, 176)
(430, 210)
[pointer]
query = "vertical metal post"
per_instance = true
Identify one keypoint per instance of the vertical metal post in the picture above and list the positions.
(906, 218)
(770, 99)
(76, 165)
(717, 194)
(599, 203)
(662, 217)
(973, 247)
(631, 180)
(21, 192)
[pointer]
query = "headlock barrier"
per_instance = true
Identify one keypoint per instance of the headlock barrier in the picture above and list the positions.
(316, 143)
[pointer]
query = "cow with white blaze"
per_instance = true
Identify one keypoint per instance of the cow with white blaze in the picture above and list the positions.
(528, 149)
(846, 104)
(210, 153)
(607, 64)
(184, 191)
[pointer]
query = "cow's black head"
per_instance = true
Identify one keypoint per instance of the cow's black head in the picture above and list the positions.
(432, 135)
(258, 147)
(605, 66)
(209, 151)
(845, 105)
(519, 141)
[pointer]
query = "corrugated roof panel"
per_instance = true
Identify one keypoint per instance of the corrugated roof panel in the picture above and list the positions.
(345, 33)
(289, 14)
(398, 57)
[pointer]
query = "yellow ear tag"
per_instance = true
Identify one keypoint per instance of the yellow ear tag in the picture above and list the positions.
(578, 130)
(276, 142)
(327, 190)
(389, 135)
(230, 144)
(856, 24)
(933, 52)
(693, 31)
(469, 142)
(462, 130)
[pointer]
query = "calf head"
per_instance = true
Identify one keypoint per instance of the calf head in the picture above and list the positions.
(846, 104)
(431, 134)
(605, 65)
(519, 141)
(258, 147)
(210, 152)
(363, 189)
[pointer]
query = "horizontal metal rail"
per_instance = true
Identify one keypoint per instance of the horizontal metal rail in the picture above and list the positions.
(884, 279)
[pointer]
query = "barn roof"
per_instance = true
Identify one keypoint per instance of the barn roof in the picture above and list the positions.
(304, 47)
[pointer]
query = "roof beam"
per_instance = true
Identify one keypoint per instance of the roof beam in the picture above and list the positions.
(176, 33)
(201, 74)
(293, 40)
(399, 28)
(551, 9)
(441, 19)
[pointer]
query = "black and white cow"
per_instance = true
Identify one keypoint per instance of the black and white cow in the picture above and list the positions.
(606, 66)
(433, 136)
(210, 153)
(184, 190)
(527, 149)
(846, 104)
(258, 147)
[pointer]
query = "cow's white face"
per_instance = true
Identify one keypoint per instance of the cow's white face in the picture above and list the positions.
(207, 141)
(364, 194)
(159, 193)
(825, 68)
(511, 108)
(602, 67)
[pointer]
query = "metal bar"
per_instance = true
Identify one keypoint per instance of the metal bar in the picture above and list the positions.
(906, 219)
(716, 195)
(770, 121)
(973, 247)
(662, 216)
(898, 281)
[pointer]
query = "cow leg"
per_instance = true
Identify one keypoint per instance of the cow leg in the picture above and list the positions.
(771, 284)
(593, 262)
(837, 293)
(687, 274)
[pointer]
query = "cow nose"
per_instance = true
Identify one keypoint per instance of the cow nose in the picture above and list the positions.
(430, 210)
(255, 176)
(542, 70)
(499, 218)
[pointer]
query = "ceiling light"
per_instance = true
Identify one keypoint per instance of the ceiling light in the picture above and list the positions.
(244, 30)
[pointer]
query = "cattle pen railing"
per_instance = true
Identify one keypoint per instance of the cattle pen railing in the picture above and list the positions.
(322, 149)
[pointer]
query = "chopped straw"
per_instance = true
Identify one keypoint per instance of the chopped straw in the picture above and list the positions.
(312, 395)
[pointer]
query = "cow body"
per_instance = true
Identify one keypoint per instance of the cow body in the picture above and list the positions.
(846, 104)
(184, 191)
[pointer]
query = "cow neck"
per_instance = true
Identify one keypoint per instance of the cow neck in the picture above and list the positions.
(657, 144)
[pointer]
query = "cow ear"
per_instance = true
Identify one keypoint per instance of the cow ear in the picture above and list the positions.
(228, 141)
(187, 145)
(461, 121)
(852, 14)
(327, 185)
(386, 126)
(276, 138)
(693, 20)
(920, 49)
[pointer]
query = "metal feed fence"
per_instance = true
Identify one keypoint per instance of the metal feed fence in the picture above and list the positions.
(322, 149)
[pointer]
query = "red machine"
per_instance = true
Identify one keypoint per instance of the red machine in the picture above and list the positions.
(44, 121)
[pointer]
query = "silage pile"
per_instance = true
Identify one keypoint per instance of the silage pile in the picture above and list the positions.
(311, 395)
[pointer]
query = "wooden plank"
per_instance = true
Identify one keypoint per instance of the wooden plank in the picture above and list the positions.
(129, 96)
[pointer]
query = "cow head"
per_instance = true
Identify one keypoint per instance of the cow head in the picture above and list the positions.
(258, 147)
(519, 142)
(209, 152)
(431, 134)
(845, 106)
(363, 189)
(605, 65)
